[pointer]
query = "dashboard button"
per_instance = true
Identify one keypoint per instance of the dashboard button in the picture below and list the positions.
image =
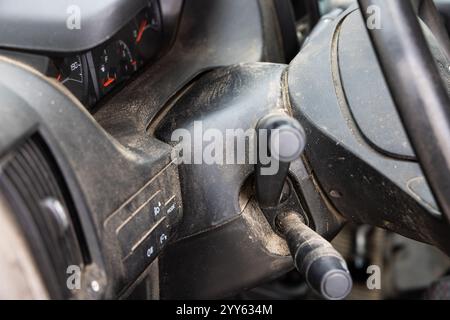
(137, 226)
(171, 206)
(162, 234)
(173, 211)
(141, 257)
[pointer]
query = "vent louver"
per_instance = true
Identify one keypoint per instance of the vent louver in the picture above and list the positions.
(33, 184)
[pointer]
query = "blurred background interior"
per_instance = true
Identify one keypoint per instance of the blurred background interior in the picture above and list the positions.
(409, 269)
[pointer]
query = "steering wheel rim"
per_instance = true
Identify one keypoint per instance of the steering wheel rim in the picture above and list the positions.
(416, 87)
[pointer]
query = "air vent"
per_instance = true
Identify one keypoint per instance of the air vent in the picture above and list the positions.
(35, 188)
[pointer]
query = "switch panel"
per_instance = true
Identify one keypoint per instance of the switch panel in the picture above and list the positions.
(145, 223)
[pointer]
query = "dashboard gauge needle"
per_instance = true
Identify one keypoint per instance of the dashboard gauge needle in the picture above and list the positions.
(58, 78)
(142, 27)
(108, 82)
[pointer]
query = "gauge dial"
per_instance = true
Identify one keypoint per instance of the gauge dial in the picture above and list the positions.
(108, 68)
(93, 74)
(115, 64)
(71, 72)
(147, 34)
(128, 63)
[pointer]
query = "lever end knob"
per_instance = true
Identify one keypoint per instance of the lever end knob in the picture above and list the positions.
(287, 143)
(287, 139)
(330, 278)
(321, 265)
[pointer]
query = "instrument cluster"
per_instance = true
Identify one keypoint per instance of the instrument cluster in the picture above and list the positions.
(93, 74)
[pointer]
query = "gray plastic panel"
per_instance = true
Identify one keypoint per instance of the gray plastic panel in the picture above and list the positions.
(49, 26)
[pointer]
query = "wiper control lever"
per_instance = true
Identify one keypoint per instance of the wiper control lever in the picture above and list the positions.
(323, 268)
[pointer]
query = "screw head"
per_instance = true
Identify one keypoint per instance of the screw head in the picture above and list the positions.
(335, 194)
(95, 286)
